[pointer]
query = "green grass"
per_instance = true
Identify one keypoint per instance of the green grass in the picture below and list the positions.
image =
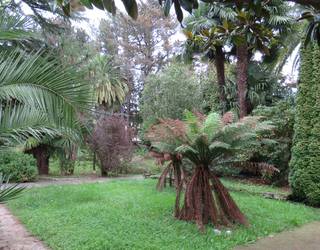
(239, 185)
(133, 215)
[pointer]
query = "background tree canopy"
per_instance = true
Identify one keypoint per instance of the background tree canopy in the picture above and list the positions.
(172, 91)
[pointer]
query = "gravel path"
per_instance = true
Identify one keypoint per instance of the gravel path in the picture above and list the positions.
(50, 181)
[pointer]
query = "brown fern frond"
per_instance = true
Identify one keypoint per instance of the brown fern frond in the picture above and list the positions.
(228, 118)
(257, 167)
(167, 130)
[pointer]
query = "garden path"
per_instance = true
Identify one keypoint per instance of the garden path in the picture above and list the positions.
(48, 181)
(14, 236)
(306, 237)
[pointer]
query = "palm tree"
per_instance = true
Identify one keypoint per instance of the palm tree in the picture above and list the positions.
(110, 86)
(39, 98)
(199, 27)
(255, 28)
(207, 142)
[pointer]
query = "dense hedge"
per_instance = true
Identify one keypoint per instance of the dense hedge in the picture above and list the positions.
(18, 166)
(305, 163)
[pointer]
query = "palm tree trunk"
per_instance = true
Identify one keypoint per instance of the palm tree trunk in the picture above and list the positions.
(104, 171)
(219, 63)
(242, 77)
(41, 154)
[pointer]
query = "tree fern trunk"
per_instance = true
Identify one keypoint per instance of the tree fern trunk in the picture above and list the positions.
(202, 207)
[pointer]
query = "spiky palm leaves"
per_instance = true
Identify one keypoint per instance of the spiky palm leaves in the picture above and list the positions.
(15, 28)
(110, 86)
(40, 100)
(38, 97)
(8, 191)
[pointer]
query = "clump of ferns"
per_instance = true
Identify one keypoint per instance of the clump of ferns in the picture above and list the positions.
(207, 141)
(165, 137)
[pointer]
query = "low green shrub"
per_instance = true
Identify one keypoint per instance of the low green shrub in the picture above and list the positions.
(18, 166)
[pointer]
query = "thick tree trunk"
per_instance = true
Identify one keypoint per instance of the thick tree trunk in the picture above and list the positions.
(219, 63)
(104, 172)
(242, 78)
(41, 154)
(201, 206)
(94, 161)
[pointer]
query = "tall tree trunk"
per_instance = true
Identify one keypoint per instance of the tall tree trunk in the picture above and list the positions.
(201, 206)
(94, 161)
(41, 154)
(219, 63)
(242, 77)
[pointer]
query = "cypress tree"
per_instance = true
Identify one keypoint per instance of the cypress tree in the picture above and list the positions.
(305, 163)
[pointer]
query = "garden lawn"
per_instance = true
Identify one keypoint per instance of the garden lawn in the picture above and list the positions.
(133, 215)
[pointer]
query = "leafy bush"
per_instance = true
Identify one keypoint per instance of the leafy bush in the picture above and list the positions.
(169, 93)
(305, 171)
(17, 166)
(112, 141)
(282, 117)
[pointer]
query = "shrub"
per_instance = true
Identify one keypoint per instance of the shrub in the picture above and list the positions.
(305, 171)
(282, 117)
(112, 141)
(18, 166)
(169, 93)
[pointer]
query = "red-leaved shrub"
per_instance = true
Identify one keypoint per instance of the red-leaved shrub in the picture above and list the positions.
(112, 141)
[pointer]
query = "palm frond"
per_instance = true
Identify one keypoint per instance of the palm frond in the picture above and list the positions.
(18, 123)
(36, 82)
(110, 85)
(8, 191)
(15, 27)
